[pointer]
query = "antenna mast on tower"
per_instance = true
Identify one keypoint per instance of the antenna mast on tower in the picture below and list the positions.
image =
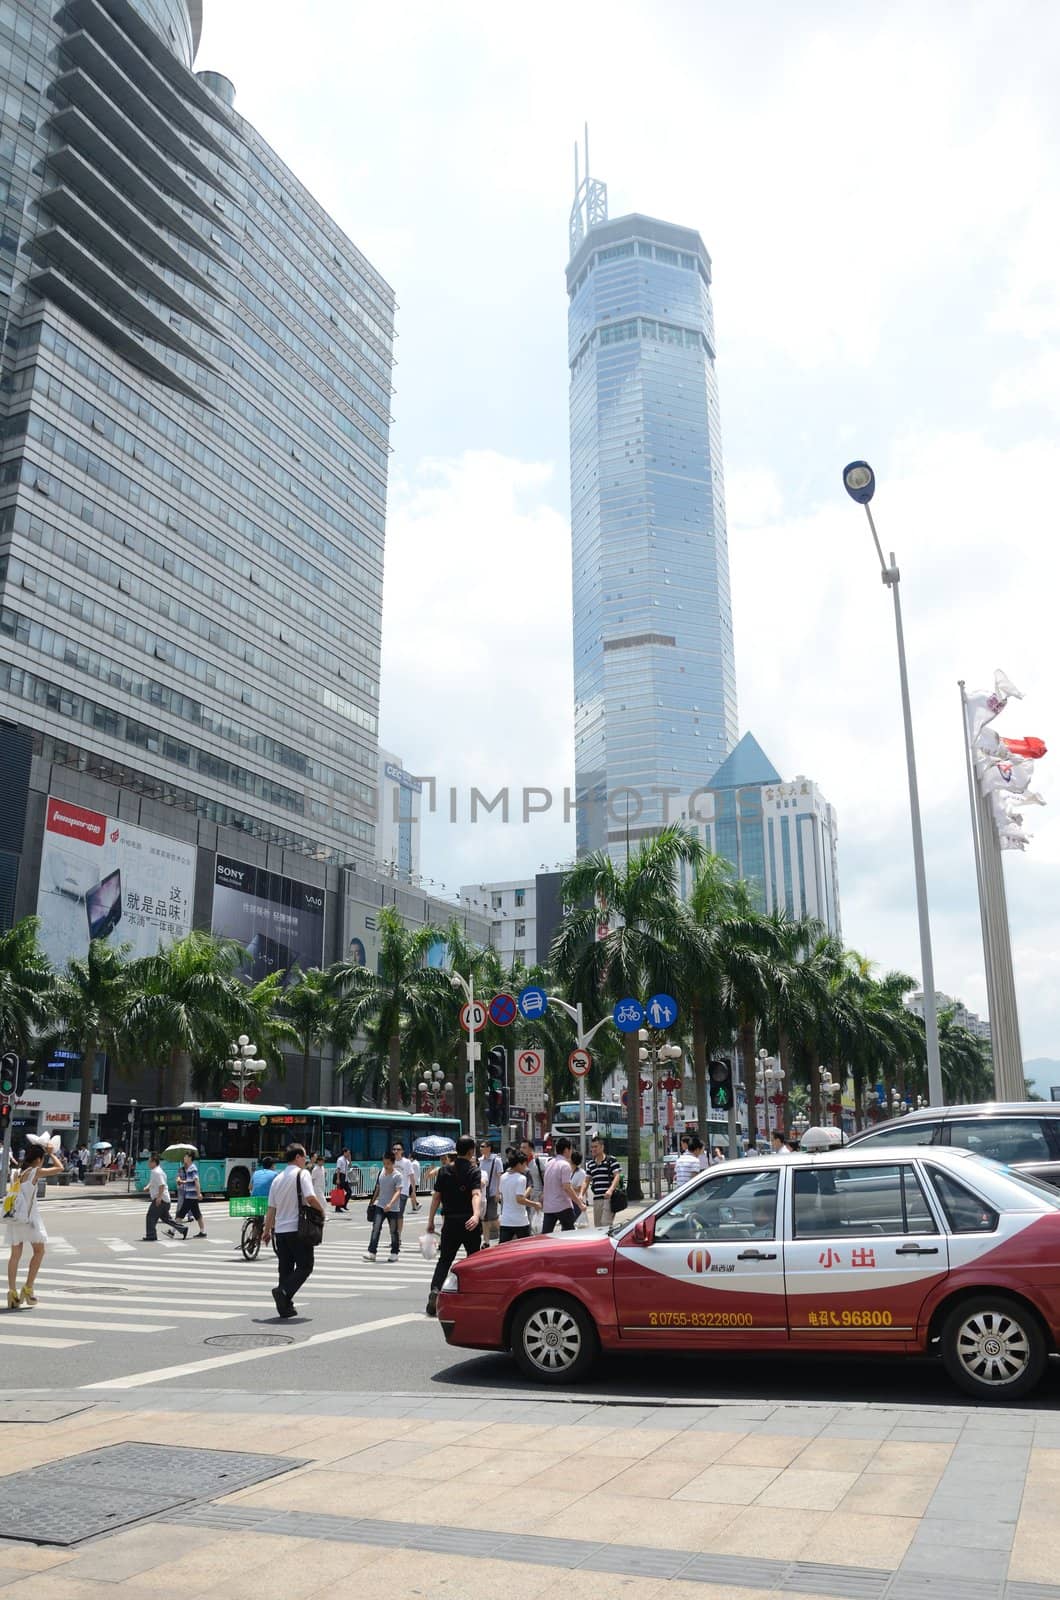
(590, 200)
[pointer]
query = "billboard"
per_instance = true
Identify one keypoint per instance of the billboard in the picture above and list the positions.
(104, 879)
(280, 922)
(360, 933)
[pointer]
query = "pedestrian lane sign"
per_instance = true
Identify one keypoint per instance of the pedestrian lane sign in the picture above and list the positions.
(662, 1011)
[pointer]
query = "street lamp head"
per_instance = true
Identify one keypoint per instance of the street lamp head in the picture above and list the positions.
(642, 1035)
(244, 1038)
(859, 481)
(422, 1087)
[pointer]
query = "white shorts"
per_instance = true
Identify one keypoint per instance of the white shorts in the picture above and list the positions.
(27, 1232)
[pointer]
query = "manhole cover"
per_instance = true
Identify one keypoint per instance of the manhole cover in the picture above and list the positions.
(247, 1341)
(86, 1288)
(64, 1502)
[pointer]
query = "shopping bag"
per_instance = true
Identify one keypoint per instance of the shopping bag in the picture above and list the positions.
(428, 1246)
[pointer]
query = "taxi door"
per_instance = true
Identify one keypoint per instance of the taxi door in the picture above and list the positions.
(713, 1271)
(864, 1251)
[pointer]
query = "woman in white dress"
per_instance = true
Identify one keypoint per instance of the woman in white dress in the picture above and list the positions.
(25, 1222)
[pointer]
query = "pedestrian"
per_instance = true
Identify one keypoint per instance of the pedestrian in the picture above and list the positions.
(262, 1181)
(604, 1175)
(415, 1195)
(386, 1207)
(515, 1200)
(189, 1193)
(720, 1155)
(81, 1158)
(535, 1176)
(560, 1203)
(491, 1167)
(342, 1181)
(779, 1144)
(25, 1222)
(403, 1168)
(687, 1165)
(290, 1192)
(700, 1151)
(158, 1211)
(318, 1176)
(458, 1192)
(580, 1185)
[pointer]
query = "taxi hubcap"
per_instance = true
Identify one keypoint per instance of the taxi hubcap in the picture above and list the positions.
(992, 1347)
(551, 1338)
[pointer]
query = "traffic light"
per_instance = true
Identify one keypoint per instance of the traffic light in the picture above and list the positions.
(10, 1073)
(497, 1077)
(720, 1085)
(5, 1116)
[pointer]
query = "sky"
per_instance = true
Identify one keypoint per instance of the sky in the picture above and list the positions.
(879, 190)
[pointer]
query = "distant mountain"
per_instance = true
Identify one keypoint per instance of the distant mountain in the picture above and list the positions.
(1043, 1073)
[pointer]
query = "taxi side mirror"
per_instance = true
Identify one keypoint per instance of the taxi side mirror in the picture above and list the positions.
(644, 1231)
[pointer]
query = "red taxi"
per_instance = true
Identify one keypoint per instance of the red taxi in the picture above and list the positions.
(903, 1251)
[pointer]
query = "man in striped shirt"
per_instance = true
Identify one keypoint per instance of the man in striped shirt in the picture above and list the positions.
(604, 1173)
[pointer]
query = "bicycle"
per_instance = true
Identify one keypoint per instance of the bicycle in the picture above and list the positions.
(251, 1237)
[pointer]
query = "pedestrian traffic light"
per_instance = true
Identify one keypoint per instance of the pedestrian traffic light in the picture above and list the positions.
(721, 1085)
(5, 1116)
(497, 1076)
(10, 1073)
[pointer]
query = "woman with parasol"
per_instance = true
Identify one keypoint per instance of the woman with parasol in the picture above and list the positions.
(22, 1214)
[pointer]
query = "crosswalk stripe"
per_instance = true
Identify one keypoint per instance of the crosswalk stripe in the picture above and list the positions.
(119, 1246)
(42, 1317)
(40, 1344)
(90, 1305)
(63, 1277)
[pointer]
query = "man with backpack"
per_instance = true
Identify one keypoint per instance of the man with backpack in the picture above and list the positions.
(458, 1191)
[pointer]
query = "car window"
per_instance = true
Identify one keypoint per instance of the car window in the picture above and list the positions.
(902, 1132)
(965, 1212)
(831, 1201)
(740, 1205)
(1004, 1139)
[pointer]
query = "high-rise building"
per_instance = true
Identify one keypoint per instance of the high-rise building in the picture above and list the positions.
(196, 370)
(397, 838)
(654, 671)
(780, 837)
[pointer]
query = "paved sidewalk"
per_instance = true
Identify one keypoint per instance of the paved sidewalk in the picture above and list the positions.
(443, 1496)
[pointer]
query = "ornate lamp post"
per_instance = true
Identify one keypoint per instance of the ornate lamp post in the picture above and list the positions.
(244, 1067)
(434, 1091)
(769, 1086)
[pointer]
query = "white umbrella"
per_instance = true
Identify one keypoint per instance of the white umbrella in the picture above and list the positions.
(175, 1151)
(104, 1144)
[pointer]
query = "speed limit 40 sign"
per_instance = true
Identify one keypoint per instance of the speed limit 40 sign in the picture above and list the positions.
(473, 1017)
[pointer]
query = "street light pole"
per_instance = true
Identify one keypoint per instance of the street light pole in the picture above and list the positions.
(859, 480)
(583, 1040)
(467, 984)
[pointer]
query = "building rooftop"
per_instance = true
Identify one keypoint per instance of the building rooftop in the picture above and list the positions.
(748, 764)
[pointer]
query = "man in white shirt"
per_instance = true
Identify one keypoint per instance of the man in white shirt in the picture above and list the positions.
(687, 1166)
(778, 1144)
(491, 1167)
(289, 1192)
(158, 1210)
(415, 1196)
(403, 1167)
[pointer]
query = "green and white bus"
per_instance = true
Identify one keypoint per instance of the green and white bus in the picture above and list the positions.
(364, 1131)
(226, 1136)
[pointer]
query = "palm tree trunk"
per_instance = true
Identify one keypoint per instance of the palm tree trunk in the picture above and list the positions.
(699, 1066)
(632, 1046)
(88, 1073)
(305, 1072)
(815, 1088)
(393, 1092)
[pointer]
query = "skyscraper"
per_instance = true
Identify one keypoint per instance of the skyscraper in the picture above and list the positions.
(196, 384)
(654, 674)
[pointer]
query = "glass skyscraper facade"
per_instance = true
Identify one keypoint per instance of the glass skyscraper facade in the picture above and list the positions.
(196, 380)
(654, 673)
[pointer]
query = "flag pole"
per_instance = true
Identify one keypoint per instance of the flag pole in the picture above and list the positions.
(977, 844)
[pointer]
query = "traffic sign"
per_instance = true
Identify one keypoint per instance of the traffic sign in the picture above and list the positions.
(469, 1082)
(530, 1063)
(579, 1061)
(662, 1011)
(502, 1010)
(628, 1016)
(532, 1002)
(473, 1016)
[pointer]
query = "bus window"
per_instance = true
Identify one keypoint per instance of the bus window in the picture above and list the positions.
(279, 1132)
(379, 1140)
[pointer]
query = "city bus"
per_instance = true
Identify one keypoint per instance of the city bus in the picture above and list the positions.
(364, 1131)
(226, 1138)
(604, 1117)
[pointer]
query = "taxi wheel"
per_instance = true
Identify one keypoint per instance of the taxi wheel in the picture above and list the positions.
(993, 1347)
(553, 1339)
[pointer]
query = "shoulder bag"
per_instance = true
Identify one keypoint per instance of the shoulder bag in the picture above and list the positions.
(310, 1220)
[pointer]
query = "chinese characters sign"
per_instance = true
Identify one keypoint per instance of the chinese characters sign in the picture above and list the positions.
(101, 878)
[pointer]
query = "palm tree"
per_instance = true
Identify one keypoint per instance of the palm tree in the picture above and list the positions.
(187, 1006)
(384, 1005)
(27, 984)
(91, 1010)
(637, 955)
(966, 1071)
(309, 1006)
(255, 1011)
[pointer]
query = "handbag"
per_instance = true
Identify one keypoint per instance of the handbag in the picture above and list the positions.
(369, 1215)
(619, 1201)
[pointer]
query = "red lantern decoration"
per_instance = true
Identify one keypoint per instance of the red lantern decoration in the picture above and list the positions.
(252, 1092)
(229, 1092)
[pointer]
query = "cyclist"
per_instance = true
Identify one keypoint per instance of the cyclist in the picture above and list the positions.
(261, 1182)
(253, 1227)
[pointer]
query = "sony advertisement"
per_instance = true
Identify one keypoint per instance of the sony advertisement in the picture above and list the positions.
(279, 921)
(101, 878)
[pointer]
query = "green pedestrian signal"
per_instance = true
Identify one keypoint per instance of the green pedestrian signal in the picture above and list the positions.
(720, 1073)
(10, 1073)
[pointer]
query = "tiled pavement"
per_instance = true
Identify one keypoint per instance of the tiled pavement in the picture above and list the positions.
(433, 1496)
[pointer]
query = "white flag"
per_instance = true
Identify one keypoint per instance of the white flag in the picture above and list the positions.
(1013, 776)
(1012, 844)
